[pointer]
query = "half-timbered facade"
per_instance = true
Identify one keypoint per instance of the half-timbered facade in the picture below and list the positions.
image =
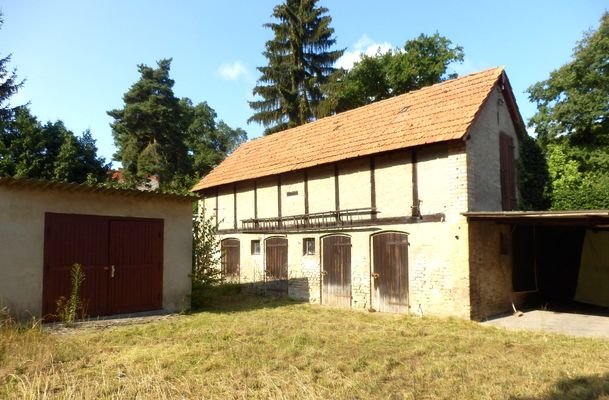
(364, 209)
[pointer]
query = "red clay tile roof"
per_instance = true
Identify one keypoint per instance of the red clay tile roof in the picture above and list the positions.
(437, 113)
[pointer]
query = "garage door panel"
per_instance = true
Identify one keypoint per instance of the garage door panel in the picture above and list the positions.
(136, 277)
(122, 260)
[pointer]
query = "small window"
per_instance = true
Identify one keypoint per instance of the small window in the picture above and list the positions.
(308, 246)
(255, 247)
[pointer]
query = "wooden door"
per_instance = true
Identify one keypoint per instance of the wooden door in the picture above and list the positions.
(390, 272)
(122, 261)
(276, 272)
(75, 239)
(230, 260)
(136, 266)
(336, 273)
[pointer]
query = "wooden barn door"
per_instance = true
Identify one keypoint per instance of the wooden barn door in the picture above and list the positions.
(69, 240)
(390, 272)
(231, 260)
(336, 273)
(122, 260)
(136, 266)
(276, 274)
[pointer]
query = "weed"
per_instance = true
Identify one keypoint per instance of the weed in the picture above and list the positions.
(68, 309)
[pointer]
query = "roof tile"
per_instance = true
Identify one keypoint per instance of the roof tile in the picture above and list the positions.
(437, 113)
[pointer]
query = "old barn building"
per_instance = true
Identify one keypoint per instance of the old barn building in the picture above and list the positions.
(369, 208)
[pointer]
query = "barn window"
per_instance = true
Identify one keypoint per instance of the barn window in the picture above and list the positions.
(308, 246)
(255, 247)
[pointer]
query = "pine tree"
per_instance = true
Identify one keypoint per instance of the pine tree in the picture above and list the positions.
(147, 130)
(299, 64)
(9, 85)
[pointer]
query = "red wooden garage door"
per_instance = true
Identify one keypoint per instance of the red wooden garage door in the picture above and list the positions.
(122, 259)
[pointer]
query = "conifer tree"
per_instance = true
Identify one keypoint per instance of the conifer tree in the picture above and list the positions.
(300, 60)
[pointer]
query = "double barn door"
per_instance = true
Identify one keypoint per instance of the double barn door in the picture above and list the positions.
(122, 259)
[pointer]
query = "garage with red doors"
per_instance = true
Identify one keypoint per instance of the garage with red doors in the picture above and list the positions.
(134, 248)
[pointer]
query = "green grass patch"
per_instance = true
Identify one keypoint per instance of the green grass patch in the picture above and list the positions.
(265, 348)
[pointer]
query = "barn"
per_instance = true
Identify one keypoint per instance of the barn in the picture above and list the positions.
(134, 247)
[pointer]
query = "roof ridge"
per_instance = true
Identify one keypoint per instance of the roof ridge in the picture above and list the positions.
(437, 113)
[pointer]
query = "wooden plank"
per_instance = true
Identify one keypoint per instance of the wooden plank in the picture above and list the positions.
(336, 189)
(416, 211)
(373, 187)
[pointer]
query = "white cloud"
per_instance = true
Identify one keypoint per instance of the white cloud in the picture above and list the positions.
(468, 66)
(364, 45)
(232, 71)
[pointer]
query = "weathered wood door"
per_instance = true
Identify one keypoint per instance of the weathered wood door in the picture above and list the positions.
(390, 272)
(122, 260)
(276, 272)
(231, 260)
(136, 266)
(336, 270)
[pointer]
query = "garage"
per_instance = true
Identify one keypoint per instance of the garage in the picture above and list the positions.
(134, 247)
(122, 259)
(551, 260)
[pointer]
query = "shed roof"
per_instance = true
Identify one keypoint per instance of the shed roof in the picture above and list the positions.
(584, 218)
(39, 184)
(438, 113)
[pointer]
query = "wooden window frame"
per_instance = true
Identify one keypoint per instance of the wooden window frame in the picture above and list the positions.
(306, 251)
(255, 247)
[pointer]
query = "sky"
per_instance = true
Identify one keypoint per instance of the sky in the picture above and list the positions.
(79, 57)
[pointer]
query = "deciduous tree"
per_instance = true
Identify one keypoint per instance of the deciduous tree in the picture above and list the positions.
(421, 62)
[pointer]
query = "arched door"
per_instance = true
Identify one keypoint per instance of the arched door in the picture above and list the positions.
(231, 259)
(336, 273)
(390, 272)
(276, 271)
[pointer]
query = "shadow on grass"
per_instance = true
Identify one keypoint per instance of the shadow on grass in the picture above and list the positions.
(235, 297)
(593, 387)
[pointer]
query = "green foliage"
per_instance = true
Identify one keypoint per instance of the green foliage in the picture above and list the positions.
(574, 101)
(68, 309)
(299, 64)
(573, 186)
(9, 85)
(533, 177)
(205, 252)
(159, 135)
(572, 124)
(421, 62)
(29, 149)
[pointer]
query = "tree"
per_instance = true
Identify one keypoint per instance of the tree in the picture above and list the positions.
(299, 64)
(572, 124)
(421, 62)
(147, 130)
(30, 150)
(159, 135)
(574, 100)
(9, 85)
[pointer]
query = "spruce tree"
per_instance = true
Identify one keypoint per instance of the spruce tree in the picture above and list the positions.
(300, 60)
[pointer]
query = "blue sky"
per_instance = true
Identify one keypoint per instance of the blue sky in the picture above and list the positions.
(79, 57)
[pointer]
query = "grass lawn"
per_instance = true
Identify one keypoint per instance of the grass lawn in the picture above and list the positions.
(262, 348)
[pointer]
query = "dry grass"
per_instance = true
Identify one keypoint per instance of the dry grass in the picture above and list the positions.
(259, 348)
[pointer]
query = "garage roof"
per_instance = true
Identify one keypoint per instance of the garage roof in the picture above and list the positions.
(39, 184)
(570, 217)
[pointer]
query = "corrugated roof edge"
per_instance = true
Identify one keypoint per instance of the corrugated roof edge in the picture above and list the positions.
(40, 184)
